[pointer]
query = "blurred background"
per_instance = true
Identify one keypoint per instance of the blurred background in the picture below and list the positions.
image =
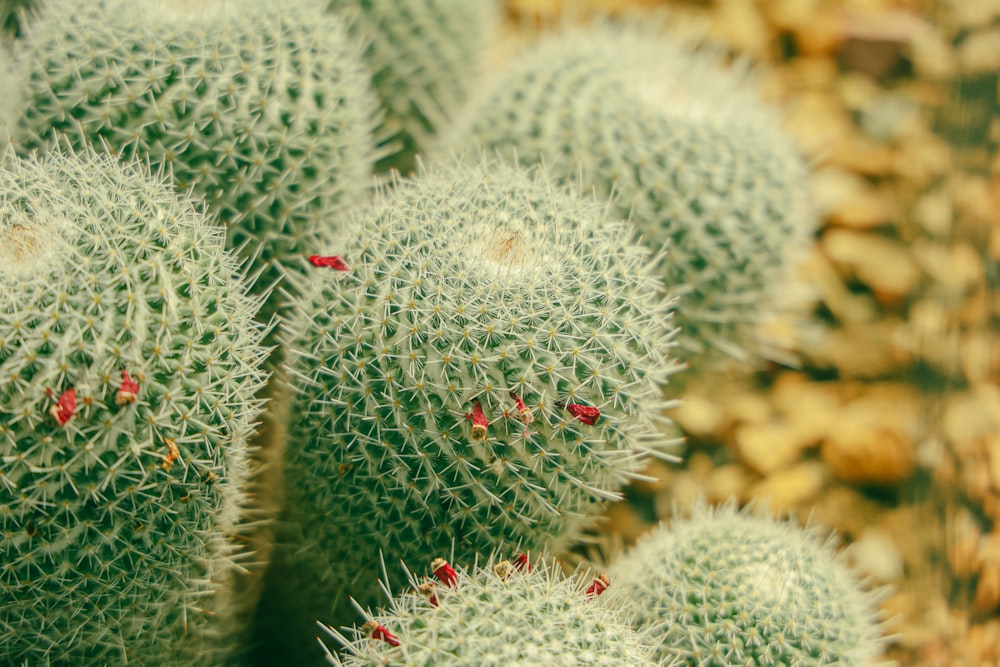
(884, 422)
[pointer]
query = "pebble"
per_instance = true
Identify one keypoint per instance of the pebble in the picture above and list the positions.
(882, 264)
(791, 487)
(876, 555)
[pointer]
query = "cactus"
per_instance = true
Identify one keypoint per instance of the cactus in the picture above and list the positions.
(502, 613)
(262, 107)
(693, 154)
(129, 364)
(425, 56)
(737, 587)
(12, 13)
(480, 362)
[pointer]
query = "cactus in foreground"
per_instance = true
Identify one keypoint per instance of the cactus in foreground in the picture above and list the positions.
(129, 362)
(694, 156)
(478, 360)
(732, 587)
(262, 107)
(502, 613)
(424, 56)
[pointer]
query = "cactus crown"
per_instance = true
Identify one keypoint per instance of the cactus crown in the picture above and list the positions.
(501, 613)
(730, 587)
(129, 364)
(262, 107)
(695, 158)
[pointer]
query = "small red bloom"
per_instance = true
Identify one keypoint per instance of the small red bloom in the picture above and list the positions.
(598, 586)
(328, 262)
(444, 572)
(479, 421)
(585, 413)
(429, 590)
(129, 390)
(523, 411)
(522, 563)
(65, 407)
(376, 631)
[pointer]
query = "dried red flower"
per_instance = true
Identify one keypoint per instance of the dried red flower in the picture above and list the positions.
(328, 262)
(65, 407)
(129, 391)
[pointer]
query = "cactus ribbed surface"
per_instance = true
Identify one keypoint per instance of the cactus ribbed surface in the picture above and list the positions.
(263, 107)
(495, 615)
(696, 159)
(481, 362)
(731, 587)
(129, 364)
(425, 56)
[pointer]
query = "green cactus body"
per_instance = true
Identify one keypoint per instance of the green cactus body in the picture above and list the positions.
(425, 56)
(486, 371)
(129, 362)
(695, 158)
(499, 614)
(263, 107)
(730, 587)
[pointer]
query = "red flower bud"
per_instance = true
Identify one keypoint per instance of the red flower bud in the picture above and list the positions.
(523, 411)
(65, 407)
(522, 563)
(598, 586)
(429, 590)
(585, 413)
(444, 572)
(329, 262)
(479, 421)
(129, 391)
(376, 631)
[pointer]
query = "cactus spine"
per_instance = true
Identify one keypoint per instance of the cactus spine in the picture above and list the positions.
(129, 362)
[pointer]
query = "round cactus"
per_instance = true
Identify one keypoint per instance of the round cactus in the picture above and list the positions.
(129, 364)
(696, 159)
(732, 587)
(262, 107)
(502, 613)
(481, 363)
(425, 56)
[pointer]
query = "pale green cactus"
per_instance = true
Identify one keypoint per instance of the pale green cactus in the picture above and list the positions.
(263, 107)
(697, 161)
(494, 615)
(731, 587)
(481, 362)
(425, 57)
(129, 366)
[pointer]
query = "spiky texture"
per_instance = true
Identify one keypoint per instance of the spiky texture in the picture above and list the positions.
(424, 56)
(469, 288)
(11, 13)
(129, 362)
(695, 157)
(731, 587)
(262, 107)
(499, 614)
